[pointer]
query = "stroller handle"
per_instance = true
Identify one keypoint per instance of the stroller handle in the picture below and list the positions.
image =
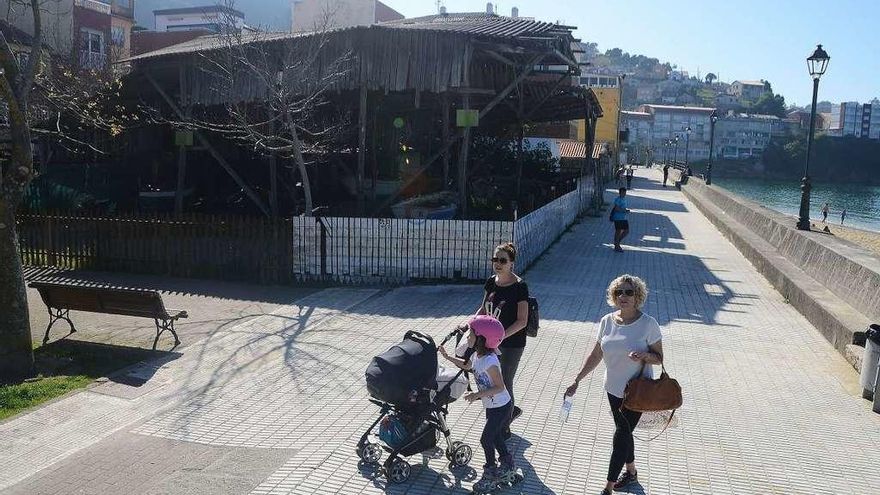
(413, 335)
(459, 330)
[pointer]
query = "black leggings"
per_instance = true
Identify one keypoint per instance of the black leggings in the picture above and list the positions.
(624, 447)
(493, 438)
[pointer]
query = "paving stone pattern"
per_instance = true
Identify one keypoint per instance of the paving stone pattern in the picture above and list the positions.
(770, 406)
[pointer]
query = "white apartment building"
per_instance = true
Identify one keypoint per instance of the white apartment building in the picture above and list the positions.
(316, 15)
(215, 18)
(671, 121)
(740, 136)
(851, 118)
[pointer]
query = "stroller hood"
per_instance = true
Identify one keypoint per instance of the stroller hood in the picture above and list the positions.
(398, 375)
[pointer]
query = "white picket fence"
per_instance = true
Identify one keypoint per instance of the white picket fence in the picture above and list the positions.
(390, 250)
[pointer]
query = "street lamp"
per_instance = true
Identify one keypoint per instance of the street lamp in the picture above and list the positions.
(687, 144)
(675, 152)
(817, 63)
(712, 120)
(620, 80)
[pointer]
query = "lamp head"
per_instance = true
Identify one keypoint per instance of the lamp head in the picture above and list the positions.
(817, 63)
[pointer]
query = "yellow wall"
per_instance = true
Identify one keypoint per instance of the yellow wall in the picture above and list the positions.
(606, 126)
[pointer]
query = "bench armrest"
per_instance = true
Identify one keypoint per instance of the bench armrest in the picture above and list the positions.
(176, 314)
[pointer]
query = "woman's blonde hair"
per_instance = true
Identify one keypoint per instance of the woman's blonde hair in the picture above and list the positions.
(638, 285)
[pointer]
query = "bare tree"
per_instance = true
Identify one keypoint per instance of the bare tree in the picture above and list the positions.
(40, 96)
(274, 89)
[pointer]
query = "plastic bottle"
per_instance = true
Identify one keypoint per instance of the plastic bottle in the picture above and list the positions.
(566, 408)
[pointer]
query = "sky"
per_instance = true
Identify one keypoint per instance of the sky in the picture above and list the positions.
(748, 39)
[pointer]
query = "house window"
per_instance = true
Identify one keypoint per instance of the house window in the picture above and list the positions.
(117, 35)
(93, 42)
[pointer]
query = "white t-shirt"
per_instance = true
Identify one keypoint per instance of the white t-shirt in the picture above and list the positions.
(617, 341)
(484, 380)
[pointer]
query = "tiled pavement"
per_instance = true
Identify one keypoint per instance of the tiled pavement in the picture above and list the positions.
(278, 403)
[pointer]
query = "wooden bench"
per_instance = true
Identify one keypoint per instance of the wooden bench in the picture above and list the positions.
(61, 298)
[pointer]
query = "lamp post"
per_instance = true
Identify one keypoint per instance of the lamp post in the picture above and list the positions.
(712, 120)
(817, 63)
(675, 152)
(687, 145)
(620, 80)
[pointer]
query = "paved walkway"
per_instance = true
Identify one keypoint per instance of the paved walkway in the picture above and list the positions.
(276, 405)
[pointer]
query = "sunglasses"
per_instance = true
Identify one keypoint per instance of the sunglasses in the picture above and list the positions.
(502, 261)
(624, 292)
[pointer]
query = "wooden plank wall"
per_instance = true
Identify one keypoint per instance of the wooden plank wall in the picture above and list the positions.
(199, 246)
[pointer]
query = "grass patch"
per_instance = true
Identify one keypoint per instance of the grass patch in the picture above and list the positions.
(64, 366)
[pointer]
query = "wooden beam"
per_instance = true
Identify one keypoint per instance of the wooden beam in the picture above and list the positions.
(273, 184)
(510, 87)
(181, 151)
(444, 102)
(546, 97)
(207, 144)
(504, 60)
(465, 138)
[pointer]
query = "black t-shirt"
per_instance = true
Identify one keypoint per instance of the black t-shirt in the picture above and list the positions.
(501, 303)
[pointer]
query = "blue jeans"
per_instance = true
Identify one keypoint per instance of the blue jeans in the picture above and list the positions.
(492, 438)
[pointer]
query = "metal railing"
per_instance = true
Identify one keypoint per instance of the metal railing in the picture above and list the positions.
(92, 60)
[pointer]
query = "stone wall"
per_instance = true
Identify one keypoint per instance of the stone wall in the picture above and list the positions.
(834, 283)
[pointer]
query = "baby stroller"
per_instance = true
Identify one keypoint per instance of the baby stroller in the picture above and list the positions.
(413, 395)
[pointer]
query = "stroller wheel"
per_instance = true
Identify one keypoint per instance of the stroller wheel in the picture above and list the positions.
(397, 470)
(461, 454)
(370, 453)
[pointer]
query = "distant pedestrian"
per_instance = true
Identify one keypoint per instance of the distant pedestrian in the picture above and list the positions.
(665, 173)
(629, 177)
(618, 216)
(628, 342)
(825, 213)
(842, 216)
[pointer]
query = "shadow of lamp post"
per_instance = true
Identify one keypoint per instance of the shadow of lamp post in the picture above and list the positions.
(712, 120)
(817, 63)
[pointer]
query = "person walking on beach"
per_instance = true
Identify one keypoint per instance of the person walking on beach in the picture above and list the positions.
(842, 216)
(665, 174)
(825, 213)
(618, 216)
(627, 342)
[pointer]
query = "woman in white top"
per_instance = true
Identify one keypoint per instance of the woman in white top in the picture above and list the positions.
(627, 339)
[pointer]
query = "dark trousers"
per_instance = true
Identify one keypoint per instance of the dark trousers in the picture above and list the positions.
(509, 359)
(624, 448)
(492, 438)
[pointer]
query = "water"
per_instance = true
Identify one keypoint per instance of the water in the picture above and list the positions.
(862, 202)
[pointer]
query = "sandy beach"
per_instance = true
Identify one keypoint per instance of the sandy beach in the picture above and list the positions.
(866, 238)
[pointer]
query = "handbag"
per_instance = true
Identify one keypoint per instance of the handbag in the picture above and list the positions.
(534, 318)
(649, 395)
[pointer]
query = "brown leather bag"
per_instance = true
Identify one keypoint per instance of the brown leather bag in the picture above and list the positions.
(648, 395)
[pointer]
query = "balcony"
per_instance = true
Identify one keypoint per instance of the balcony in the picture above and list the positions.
(96, 5)
(123, 8)
(92, 61)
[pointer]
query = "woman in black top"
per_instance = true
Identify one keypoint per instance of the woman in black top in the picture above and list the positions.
(506, 298)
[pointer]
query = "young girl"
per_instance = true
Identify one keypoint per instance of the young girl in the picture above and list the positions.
(485, 336)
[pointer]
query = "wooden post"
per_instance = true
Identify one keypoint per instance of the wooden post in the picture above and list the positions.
(466, 136)
(273, 184)
(362, 144)
(444, 102)
(181, 150)
(519, 142)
